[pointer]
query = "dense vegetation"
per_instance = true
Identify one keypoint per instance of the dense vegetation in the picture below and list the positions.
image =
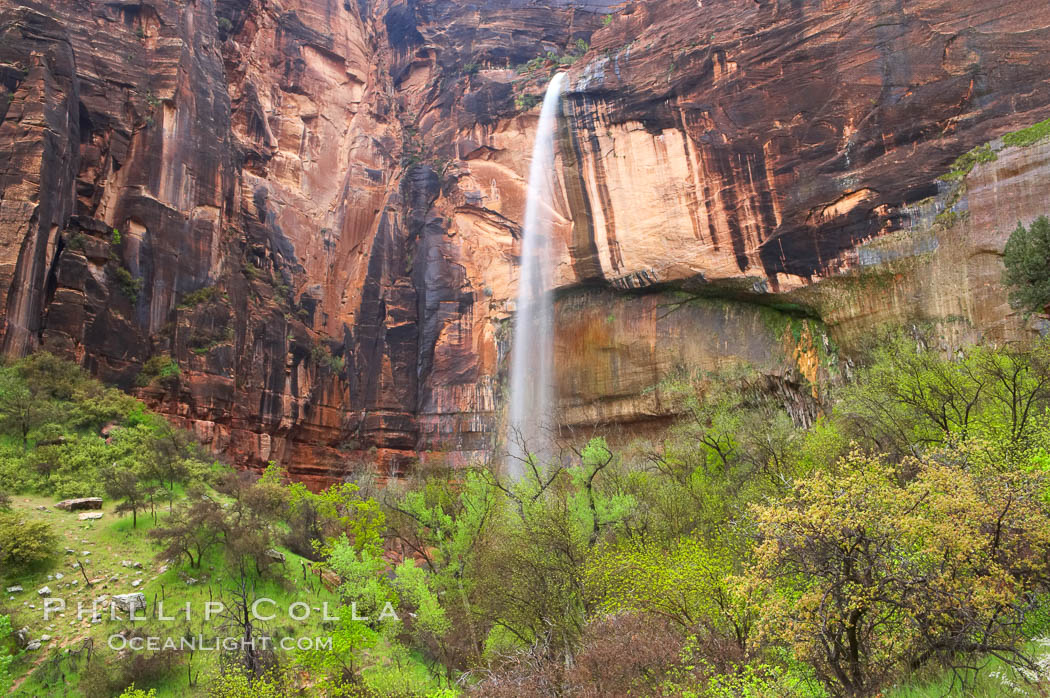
(1026, 258)
(902, 538)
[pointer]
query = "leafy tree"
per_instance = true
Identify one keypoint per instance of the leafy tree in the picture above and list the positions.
(340, 666)
(21, 410)
(734, 443)
(528, 573)
(192, 529)
(429, 620)
(50, 377)
(316, 521)
(445, 522)
(47, 456)
(911, 397)
(367, 598)
(56, 411)
(82, 461)
(249, 522)
(123, 483)
(241, 516)
(364, 585)
(1027, 261)
(174, 457)
(868, 573)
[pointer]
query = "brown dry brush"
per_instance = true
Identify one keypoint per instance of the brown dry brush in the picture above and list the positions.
(618, 655)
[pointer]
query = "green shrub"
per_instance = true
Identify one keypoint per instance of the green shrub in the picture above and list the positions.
(235, 682)
(5, 658)
(129, 285)
(532, 65)
(132, 692)
(323, 356)
(965, 163)
(1027, 261)
(524, 102)
(225, 25)
(24, 544)
(75, 242)
(205, 294)
(162, 369)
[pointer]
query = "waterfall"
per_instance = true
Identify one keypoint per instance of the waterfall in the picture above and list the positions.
(531, 420)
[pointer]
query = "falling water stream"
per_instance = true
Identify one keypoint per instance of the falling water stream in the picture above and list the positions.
(531, 412)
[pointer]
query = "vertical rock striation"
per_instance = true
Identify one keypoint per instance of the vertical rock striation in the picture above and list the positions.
(314, 207)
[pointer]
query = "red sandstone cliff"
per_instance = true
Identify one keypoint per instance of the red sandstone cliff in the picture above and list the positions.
(345, 179)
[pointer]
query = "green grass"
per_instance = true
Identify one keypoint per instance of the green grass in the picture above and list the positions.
(993, 680)
(112, 540)
(1028, 136)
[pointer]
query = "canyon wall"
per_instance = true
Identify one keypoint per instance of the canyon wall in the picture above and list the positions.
(312, 208)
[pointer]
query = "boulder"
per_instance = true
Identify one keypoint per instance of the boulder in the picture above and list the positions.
(80, 504)
(126, 602)
(90, 516)
(275, 555)
(15, 589)
(44, 591)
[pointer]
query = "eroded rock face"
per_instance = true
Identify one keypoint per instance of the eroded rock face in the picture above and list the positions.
(314, 207)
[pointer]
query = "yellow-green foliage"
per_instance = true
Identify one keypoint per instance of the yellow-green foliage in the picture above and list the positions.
(24, 544)
(965, 163)
(235, 682)
(879, 564)
(685, 581)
